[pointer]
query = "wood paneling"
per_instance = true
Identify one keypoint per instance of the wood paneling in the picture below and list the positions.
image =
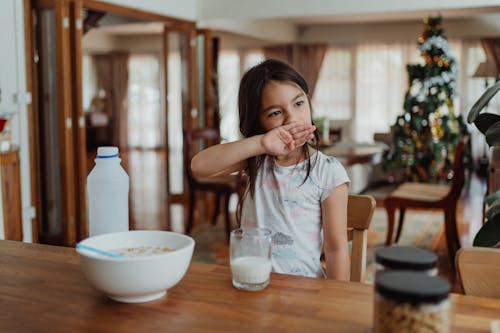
(65, 122)
(78, 117)
(11, 194)
(32, 115)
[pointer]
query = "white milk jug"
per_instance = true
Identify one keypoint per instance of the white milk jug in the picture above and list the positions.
(107, 193)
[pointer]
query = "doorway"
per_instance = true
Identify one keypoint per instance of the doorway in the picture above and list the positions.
(74, 117)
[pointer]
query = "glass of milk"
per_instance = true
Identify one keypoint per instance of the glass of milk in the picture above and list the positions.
(250, 258)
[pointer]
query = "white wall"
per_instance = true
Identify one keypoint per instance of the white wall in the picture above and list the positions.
(95, 42)
(276, 9)
(277, 20)
(486, 25)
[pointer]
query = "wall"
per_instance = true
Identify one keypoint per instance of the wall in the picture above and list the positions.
(339, 10)
(486, 25)
(95, 42)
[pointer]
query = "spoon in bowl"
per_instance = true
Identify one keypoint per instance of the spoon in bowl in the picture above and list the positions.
(99, 251)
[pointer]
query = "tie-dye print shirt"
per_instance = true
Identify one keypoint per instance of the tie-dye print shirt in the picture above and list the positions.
(292, 211)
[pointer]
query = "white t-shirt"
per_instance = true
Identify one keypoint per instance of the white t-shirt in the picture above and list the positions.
(291, 209)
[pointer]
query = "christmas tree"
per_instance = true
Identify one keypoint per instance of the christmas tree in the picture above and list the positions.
(426, 134)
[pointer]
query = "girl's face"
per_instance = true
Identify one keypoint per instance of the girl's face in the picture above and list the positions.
(282, 103)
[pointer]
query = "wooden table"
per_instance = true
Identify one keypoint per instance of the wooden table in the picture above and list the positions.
(358, 159)
(350, 153)
(43, 290)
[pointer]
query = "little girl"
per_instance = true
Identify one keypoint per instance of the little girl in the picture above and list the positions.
(293, 189)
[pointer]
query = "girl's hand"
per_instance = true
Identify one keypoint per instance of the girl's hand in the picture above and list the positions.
(284, 139)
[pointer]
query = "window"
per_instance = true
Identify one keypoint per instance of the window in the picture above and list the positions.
(364, 85)
(89, 82)
(333, 92)
(232, 64)
(381, 83)
(144, 102)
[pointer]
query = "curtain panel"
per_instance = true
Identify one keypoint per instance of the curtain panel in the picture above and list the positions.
(491, 47)
(306, 58)
(112, 77)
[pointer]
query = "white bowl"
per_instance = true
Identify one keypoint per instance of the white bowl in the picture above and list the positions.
(140, 278)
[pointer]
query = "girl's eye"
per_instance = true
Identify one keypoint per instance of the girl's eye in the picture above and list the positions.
(274, 114)
(299, 103)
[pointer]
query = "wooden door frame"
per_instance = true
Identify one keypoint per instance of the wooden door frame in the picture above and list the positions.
(79, 139)
(208, 91)
(66, 134)
(34, 151)
(189, 105)
(64, 122)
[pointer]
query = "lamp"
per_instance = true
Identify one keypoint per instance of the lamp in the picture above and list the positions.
(486, 69)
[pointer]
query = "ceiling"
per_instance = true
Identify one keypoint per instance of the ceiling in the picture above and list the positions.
(288, 25)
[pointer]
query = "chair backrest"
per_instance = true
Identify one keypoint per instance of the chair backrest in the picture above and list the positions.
(360, 210)
(335, 134)
(459, 168)
(195, 140)
(479, 271)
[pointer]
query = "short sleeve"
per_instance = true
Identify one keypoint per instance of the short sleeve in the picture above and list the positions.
(332, 174)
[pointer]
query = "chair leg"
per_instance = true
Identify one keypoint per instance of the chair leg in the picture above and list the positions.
(227, 196)
(452, 238)
(191, 206)
(402, 211)
(216, 209)
(391, 209)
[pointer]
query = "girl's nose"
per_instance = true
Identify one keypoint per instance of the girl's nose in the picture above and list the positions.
(289, 116)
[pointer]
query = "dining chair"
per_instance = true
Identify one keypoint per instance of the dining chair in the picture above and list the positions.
(479, 271)
(335, 134)
(223, 186)
(430, 196)
(360, 210)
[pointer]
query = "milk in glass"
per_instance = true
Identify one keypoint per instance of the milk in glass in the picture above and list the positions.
(250, 258)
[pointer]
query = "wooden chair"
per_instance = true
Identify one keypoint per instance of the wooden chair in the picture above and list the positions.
(222, 186)
(479, 271)
(360, 210)
(430, 196)
(335, 134)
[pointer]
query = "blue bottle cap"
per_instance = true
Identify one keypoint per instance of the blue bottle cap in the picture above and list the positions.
(107, 152)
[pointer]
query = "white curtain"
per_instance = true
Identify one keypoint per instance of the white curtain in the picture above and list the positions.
(232, 65)
(381, 83)
(146, 127)
(334, 92)
(362, 86)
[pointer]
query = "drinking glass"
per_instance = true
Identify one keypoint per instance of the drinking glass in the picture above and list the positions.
(250, 258)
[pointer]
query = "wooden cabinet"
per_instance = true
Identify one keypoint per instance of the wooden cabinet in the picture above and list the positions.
(11, 194)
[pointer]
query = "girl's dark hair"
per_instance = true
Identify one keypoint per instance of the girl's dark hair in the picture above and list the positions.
(249, 105)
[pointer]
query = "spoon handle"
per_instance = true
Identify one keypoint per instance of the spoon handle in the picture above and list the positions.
(93, 249)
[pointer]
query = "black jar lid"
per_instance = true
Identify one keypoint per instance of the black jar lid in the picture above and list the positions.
(405, 257)
(411, 287)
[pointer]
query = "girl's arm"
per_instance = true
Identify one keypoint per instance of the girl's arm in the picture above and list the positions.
(227, 158)
(334, 214)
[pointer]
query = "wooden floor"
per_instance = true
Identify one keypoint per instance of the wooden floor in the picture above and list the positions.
(148, 206)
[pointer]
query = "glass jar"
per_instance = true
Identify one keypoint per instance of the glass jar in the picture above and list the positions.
(405, 258)
(411, 302)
